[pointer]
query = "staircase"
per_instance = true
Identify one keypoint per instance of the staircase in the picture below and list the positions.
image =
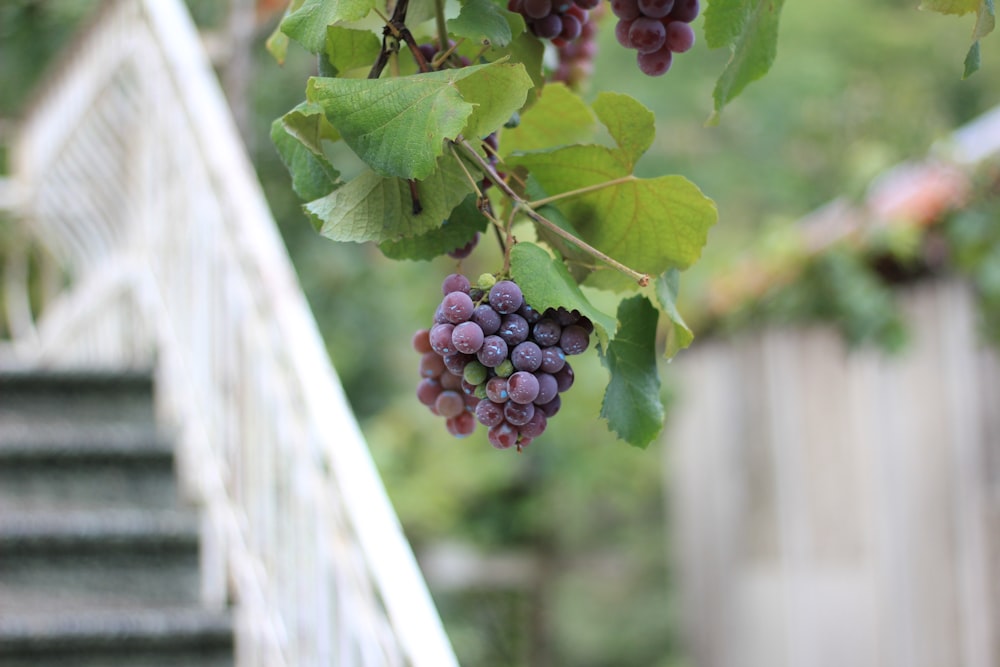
(99, 557)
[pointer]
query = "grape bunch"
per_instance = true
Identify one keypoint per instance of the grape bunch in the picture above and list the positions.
(576, 58)
(561, 21)
(657, 29)
(493, 359)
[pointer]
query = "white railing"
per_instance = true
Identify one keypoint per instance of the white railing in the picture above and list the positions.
(129, 171)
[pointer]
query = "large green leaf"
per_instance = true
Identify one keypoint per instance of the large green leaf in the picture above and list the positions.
(985, 23)
(458, 229)
(632, 403)
(348, 49)
(679, 336)
(547, 284)
(951, 6)
(398, 125)
(631, 125)
(482, 22)
(377, 208)
(750, 29)
(558, 118)
(298, 136)
(307, 24)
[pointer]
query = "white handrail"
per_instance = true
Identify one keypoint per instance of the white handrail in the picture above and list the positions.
(131, 171)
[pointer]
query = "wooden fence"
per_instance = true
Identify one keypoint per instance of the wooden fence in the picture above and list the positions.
(841, 508)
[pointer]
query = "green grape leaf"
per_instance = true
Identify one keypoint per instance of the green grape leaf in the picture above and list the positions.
(398, 125)
(458, 229)
(972, 61)
(377, 208)
(298, 136)
(632, 403)
(558, 118)
(307, 24)
(951, 6)
(750, 29)
(650, 225)
(630, 124)
(277, 42)
(525, 49)
(547, 284)
(482, 22)
(985, 23)
(679, 336)
(348, 49)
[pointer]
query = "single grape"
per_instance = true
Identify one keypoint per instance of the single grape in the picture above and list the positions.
(553, 359)
(496, 390)
(471, 401)
(428, 390)
(487, 318)
(518, 414)
(502, 436)
(440, 339)
(529, 314)
(647, 35)
(451, 381)
(574, 339)
(505, 369)
(621, 32)
(536, 9)
(571, 27)
(626, 10)
(489, 413)
(527, 356)
(656, 9)
(656, 63)
(513, 329)
(588, 4)
(566, 317)
(506, 297)
(461, 425)
(522, 387)
(548, 388)
(565, 378)
(546, 332)
(680, 36)
(450, 403)
(457, 307)
(431, 365)
(685, 10)
(455, 282)
(551, 408)
(475, 373)
(534, 427)
(548, 27)
(493, 351)
(422, 341)
(468, 337)
(455, 363)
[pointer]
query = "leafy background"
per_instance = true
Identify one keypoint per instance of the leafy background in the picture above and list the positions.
(856, 87)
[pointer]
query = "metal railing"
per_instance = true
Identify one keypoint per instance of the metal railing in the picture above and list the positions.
(128, 170)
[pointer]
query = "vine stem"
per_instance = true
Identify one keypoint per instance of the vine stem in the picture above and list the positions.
(528, 208)
(581, 191)
(442, 29)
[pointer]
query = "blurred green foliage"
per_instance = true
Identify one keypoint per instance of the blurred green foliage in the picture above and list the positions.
(856, 87)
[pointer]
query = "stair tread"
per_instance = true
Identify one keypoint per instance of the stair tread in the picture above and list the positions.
(108, 525)
(71, 441)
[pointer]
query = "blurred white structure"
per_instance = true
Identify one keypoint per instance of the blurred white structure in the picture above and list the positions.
(835, 507)
(142, 221)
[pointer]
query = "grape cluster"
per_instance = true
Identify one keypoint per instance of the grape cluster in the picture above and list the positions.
(493, 359)
(561, 21)
(657, 29)
(576, 58)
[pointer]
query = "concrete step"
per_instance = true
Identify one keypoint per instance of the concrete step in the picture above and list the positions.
(86, 469)
(169, 637)
(51, 562)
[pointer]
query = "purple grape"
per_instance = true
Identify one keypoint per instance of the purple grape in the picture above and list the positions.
(468, 337)
(548, 388)
(518, 414)
(431, 365)
(461, 425)
(656, 63)
(536, 9)
(428, 390)
(548, 27)
(421, 341)
(529, 314)
(626, 10)
(440, 339)
(565, 378)
(506, 297)
(487, 318)
(496, 390)
(451, 381)
(571, 27)
(680, 36)
(553, 359)
(527, 356)
(647, 36)
(621, 32)
(534, 427)
(493, 351)
(457, 307)
(513, 329)
(489, 413)
(455, 363)
(455, 282)
(588, 4)
(502, 436)
(574, 339)
(547, 332)
(551, 408)
(656, 9)
(522, 387)
(685, 10)
(450, 404)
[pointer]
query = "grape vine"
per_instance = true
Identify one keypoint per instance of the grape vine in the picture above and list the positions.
(471, 127)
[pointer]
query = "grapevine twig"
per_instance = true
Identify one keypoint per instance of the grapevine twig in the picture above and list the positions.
(521, 205)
